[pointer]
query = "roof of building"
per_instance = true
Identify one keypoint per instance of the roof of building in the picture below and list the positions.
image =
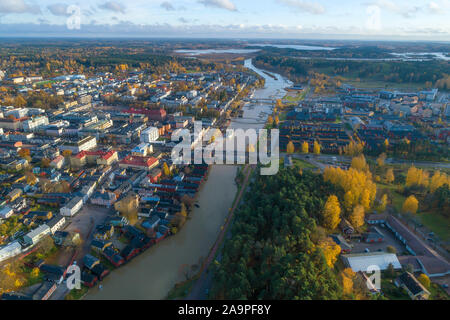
(362, 261)
(413, 285)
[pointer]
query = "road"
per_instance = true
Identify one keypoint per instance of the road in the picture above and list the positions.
(198, 291)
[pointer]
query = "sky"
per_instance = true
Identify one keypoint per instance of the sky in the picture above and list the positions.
(291, 19)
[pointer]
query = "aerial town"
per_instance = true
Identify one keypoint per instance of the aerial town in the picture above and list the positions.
(88, 180)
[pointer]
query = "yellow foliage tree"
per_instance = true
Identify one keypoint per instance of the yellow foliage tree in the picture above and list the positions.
(383, 202)
(305, 147)
(410, 205)
(290, 147)
(331, 251)
(417, 177)
(357, 216)
(347, 276)
(424, 280)
(359, 163)
(166, 169)
(270, 120)
(331, 213)
(437, 180)
(316, 148)
(389, 177)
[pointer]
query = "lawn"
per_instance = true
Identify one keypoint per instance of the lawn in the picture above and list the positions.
(302, 164)
(437, 223)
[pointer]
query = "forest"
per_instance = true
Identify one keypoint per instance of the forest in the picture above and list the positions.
(275, 250)
(434, 73)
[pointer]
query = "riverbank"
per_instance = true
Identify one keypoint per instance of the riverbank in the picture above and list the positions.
(152, 274)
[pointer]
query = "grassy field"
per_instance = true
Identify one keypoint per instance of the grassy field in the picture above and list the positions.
(302, 164)
(437, 223)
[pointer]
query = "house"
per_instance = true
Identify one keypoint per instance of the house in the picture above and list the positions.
(103, 232)
(53, 273)
(14, 194)
(35, 235)
(374, 235)
(100, 245)
(45, 291)
(345, 246)
(56, 223)
(151, 223)
(103, 198)
(90, 261)
(72, 207)
(129, 252)
(362, 261)
(346, 227)
(139, 162)
(114, 257)
(100, 271)
(412, 286)
(88, 280)
(58, 162)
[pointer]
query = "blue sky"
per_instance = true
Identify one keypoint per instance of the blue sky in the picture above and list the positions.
(366, 19)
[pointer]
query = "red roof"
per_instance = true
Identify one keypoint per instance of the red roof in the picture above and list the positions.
(101, 154)
(161, 113)
(139, 161)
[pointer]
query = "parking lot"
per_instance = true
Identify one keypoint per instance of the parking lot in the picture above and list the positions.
(389, 240)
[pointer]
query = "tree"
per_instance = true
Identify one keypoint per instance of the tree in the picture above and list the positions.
(359, 163)
(331, 251)
(417, 177)
(67, 153)
(347, 276)
(166, 169)
(357, 216)
(45, 162)
(391, 249)
(424, 280)
(270, 120)
(290, 148)
(437, 180)
(390, 175)
(316, 148)
(381, 159)
(305, 147)
(410, 205)
(24, 152)
(331, 213)
(390, 271)
(383, 202)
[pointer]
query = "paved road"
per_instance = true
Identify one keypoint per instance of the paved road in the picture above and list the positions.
(198, 291)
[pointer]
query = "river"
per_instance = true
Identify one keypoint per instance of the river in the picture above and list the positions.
(153, 273)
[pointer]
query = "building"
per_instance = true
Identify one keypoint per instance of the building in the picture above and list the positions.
(150, 134)
(72, 207)
(6, 212)
(143, 149)
(37, 234)
(413, 287)
(35, 123)
(56, 223)
(362, 261)
(374, 235)
(58, 162)
(94, 157)
(11, 250)
(84, 144)
(139, 162)
(103, 198)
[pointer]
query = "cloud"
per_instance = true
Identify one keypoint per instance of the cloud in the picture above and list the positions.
(112, 6)
(310, 7)
(439, 7)
(388, 5)
(168, 6)
(58, 9)
(222, 4)
(18, 6)
(183, 20)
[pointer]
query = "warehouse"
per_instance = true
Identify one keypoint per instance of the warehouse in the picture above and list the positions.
(362, 261)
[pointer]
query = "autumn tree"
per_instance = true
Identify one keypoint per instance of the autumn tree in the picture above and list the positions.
(424, 280)
(381, 159)
(331, 251)
(411, 204)
(316, 148)
(331, 213)
(438, 180)
(383, 202)
(389, 177)
(290, 148)
(347, 278)
(417, 177)
(359, 163)
(305, 147)
(357, 216)
(166, 169)
(270, 121)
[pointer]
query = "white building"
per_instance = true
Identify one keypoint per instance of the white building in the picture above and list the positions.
(56, 223)
(364, 261)
(35, 123)
(6, 212)
(84, 144)
(72, 207)
(10, 250)
(35, 235)
(17, 113)
(150, 134)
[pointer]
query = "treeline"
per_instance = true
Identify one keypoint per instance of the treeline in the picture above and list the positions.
(277, 250)
(430, 73)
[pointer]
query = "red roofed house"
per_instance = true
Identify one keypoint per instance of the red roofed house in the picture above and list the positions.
(94, 157)
(139, 162)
